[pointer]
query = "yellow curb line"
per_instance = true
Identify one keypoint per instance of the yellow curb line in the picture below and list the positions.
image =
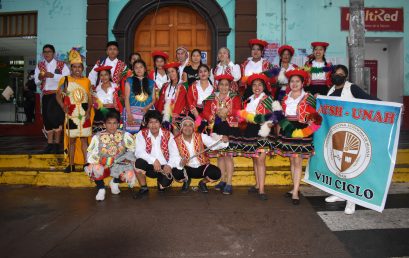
(78, 179)
(50, 161)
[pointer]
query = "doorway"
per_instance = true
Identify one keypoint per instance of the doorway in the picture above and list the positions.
(169, 28)
(388, 54)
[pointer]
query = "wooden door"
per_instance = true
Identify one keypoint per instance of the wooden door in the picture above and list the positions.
(169, 28)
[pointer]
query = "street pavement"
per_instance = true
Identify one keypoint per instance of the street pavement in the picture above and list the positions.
(64, 222)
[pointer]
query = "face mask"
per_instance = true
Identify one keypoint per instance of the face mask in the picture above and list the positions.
(338, 79)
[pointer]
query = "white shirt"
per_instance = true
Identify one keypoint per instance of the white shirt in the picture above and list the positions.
(203, 94)
(181, 68)
(156, 153)
(253, 103)
(93, 75)
(318, 76)
(253, 67)
(234, 68)
(51, 84)
(106, 97)
(160, 79)
(292, 104)
(282, 79)
(170, 93)
(207, 141)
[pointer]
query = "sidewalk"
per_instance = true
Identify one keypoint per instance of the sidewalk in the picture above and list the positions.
(58, 222)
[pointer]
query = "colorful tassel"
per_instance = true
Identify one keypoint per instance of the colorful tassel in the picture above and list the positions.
(319, 69)
(265, 129)
(167, 111)
(273, 72)
(290, 131)
(297, 134)
(277, 106)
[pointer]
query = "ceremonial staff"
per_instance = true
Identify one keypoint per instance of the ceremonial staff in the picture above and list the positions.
(66, 117)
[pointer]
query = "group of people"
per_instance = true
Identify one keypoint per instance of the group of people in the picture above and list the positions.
(177, 116)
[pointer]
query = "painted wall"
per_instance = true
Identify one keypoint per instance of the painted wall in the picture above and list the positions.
(228, 6)
(321, 22)
(61, 23)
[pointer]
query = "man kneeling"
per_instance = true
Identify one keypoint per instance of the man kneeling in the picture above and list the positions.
(111, 153)
(191, 146)
(156, 154)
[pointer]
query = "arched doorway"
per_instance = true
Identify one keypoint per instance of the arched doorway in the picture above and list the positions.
(170, 27)
(129, 19)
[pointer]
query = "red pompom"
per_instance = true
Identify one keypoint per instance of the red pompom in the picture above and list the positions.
(316, 118)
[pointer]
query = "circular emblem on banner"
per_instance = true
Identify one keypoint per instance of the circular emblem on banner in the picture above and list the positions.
(347, 150)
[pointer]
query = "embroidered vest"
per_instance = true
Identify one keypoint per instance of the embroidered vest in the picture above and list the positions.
(305, 106)
(215, 104)
(119, 71)
(327, 80)
(110, 146)
(198, 147)
(43, 68)
(265, 106)
(264, 66)
(164, 141)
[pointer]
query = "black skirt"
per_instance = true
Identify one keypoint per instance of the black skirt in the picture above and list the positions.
(251, 144)
(294, 147)
(223, 128)
(234, 146)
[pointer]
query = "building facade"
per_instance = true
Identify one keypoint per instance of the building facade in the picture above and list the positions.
(146, 25)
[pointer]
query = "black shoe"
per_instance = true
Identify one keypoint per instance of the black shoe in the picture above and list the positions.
(262, 196)
(48, 149)
(288, 194)
(252, 189)
(203, 187)
(69, 169)
(186, 185)
(295, 201)
(142, 192)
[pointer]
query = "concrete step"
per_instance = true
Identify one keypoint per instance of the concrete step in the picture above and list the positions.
(47, 170)
(56, 162)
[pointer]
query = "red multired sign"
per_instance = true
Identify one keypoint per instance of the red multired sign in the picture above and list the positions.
(377, 19)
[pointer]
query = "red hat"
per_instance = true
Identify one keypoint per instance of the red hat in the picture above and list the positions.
(103, 68)
(319, 44)
(286, 47)
(298, 72)
(224, 77)
(171, 65)
(257, 76)
(258, 42)
(160, 53)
